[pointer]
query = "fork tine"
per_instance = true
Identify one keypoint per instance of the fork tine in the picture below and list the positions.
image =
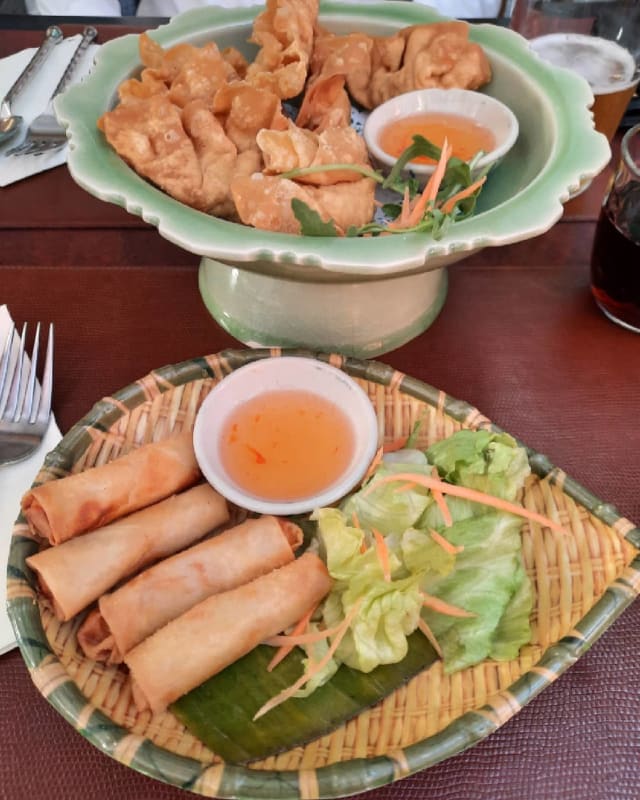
(26, 409)
(18, 382)
(19, 149)
(44, 408)
(5, 378)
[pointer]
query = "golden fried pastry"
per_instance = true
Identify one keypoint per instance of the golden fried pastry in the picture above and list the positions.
(183, 151)
(148, 85)
(149, 136)
(245, 110)
(216, 155)
(325, 105)
(264, 202)
(237, 64)
(348, 56)
(200, 77)
(436, 55)
(185, 72)
(284, 32)
(165, 63)
(299, 148)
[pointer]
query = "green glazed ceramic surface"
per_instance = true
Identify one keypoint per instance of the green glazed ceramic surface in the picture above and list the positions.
(557, 152)
(361, 318)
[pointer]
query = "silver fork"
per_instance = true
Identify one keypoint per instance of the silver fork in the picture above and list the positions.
(25, 407)
(45, 132)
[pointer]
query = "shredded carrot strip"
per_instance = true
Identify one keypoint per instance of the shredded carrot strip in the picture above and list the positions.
(406, 487)
(473, 495)
(373, 466)
(383, 553)
(284, 651)
(408, 219)
(356, 524)
(445, 544)
(436, 604)
(406, 207)
(294, 638)
(429, 634)
(449, 205)
(396, 444)
(402, 220)
(441, 502)
(285, 694)
(431, 189)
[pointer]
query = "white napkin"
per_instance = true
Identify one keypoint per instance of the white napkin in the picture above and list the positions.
(33, 100)
(15, 479)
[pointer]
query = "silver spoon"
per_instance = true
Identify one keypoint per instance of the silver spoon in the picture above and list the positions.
(10, 123)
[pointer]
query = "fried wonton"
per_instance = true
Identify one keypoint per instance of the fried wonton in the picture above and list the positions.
(140, 89)
(216, 154)
(200, 77)
(325, 105)
(284, 32)
(264, 202)
(185, 152)
(236, 63)
(245, 110)
(348, 56)
(187, 73)
(436, 55)
(296, 147)
(165, 63)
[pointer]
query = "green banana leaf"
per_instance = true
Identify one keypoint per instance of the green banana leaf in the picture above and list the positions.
(220, 711)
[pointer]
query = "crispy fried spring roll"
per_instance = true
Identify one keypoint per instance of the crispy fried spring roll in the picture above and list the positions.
(75, 573)
(221, 629)
(161, 593)
(59, 510)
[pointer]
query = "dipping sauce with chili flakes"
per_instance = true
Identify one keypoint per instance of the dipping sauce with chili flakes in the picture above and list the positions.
(465, 135)
(286, 444)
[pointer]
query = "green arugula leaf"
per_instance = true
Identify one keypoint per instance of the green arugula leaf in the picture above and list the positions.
(311, 223)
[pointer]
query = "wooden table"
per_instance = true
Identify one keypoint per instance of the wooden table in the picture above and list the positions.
(519, 337)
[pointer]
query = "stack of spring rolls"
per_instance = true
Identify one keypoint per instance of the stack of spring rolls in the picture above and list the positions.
(174, 603)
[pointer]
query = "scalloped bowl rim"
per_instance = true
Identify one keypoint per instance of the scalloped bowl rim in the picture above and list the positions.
(578, 154)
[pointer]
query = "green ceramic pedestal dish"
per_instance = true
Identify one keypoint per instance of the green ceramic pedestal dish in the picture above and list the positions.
(557, 153)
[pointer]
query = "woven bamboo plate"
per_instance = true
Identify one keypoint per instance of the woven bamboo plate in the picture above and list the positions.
(582, 583)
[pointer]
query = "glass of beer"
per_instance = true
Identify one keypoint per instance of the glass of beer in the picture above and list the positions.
(599, 40)
(615, 258)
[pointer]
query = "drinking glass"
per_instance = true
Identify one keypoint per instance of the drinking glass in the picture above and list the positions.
(615, 258)
(600, 40)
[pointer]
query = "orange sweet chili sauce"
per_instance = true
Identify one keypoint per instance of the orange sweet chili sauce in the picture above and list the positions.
(465, 135)
(286, 444)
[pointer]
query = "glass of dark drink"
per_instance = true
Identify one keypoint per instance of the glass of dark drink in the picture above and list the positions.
(615, 258)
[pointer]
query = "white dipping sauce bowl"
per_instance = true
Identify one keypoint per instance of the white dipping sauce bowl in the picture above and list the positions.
(480, 108)
(277, 374)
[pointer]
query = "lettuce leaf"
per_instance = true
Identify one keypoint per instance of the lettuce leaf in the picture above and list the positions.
(489, 581)
(482, 572)
(386, 509)
(490, 462)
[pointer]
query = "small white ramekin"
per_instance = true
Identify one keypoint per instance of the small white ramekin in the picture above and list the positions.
(274, 374)
(481, 108)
